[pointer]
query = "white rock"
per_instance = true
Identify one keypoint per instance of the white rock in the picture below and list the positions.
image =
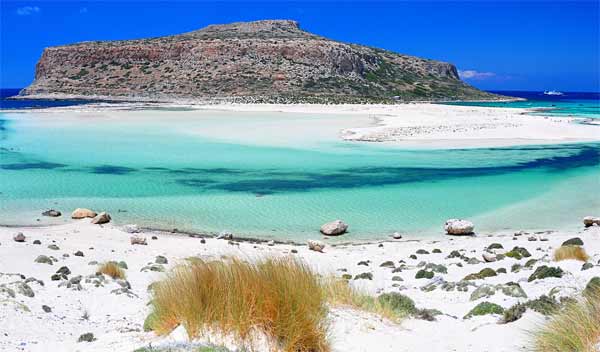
(138, 240)
(81, 213)
(334, 228)
(271, 243)
(488, 257)
(315, 245)
(397, 236)
(458, 227)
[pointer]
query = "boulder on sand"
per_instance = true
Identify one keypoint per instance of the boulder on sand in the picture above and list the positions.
(19, 237)
(81, 213)
(334, 228)
(102, 218)
(315, 245)
(591, 221)
(458, 227)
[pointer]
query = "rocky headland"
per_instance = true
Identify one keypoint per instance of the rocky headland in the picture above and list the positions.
(263, 61)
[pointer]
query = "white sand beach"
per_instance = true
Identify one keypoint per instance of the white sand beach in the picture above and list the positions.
(115, 314)
(417, 125)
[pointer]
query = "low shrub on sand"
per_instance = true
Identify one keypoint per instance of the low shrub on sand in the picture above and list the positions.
(393, 306)
(575, 328)
(281, 299)
(570, 252)
(112, 269)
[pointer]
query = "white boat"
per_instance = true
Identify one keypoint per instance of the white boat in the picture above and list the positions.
(552, 92)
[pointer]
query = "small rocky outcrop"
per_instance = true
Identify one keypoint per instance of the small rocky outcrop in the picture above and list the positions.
(81, 213)
(101, 218)
(575, 241)
(545, 271)
(334, 228)
(19, 237)
(315, 245)
(459, 227)
(52, 213)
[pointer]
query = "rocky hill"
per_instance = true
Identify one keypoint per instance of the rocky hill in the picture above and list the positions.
(270, 60)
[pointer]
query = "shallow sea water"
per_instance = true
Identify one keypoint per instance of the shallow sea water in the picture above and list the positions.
(199, 171)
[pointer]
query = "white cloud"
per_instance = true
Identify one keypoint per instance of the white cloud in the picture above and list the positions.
(472, 74)
(27, 10)
(83, 10)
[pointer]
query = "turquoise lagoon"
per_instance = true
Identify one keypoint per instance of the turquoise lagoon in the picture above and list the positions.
(262, 175)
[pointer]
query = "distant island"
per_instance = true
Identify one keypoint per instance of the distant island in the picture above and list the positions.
(270, 61)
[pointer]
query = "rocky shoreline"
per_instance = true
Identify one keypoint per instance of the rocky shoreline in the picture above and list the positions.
(467, 284)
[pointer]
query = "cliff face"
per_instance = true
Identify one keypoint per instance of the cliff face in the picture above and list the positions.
(268, 60)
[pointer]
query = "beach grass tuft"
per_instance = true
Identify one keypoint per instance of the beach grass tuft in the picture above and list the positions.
(393, 306)
(575, 328)
(571, 252)
(280, 299)
(112, 269)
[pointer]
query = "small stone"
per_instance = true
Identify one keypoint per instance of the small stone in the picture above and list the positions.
(25, 290)
(436, 250)
(46, 309)
(483, 291)
(364, 262)
(587, 266)
(53, 247)
(78, 254)
(202, 240)
(161, 260)
(532, 238)
(412, 256)
(575, 241)
(591, 221)
(52, 213)
(294, 251)
(422, 251)
(122, 265)
(155, 238)
(396, 278)
(488, 258)
(63, 270)
(138, 240)
(19, 237)
(315, 245)
(387, 264)
(397, 236)
(37, 242)
(102, 218)
(87, 337)
(424, 274)
(364, 276)
(42, 259)
(544, 271)
(271, 243)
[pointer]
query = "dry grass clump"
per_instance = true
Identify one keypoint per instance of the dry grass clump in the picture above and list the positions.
(111, 269)
(576, 328)
(392, 306)
(570, 252)
(281, 299)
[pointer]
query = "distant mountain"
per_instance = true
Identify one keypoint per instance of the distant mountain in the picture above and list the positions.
(262, 61)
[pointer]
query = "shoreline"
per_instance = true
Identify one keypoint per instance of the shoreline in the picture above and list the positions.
(409, 126)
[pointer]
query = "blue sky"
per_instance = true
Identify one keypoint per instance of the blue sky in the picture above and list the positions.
(512, 45)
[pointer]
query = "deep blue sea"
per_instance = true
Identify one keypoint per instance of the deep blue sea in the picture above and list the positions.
(32, 104)
(575, 104)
